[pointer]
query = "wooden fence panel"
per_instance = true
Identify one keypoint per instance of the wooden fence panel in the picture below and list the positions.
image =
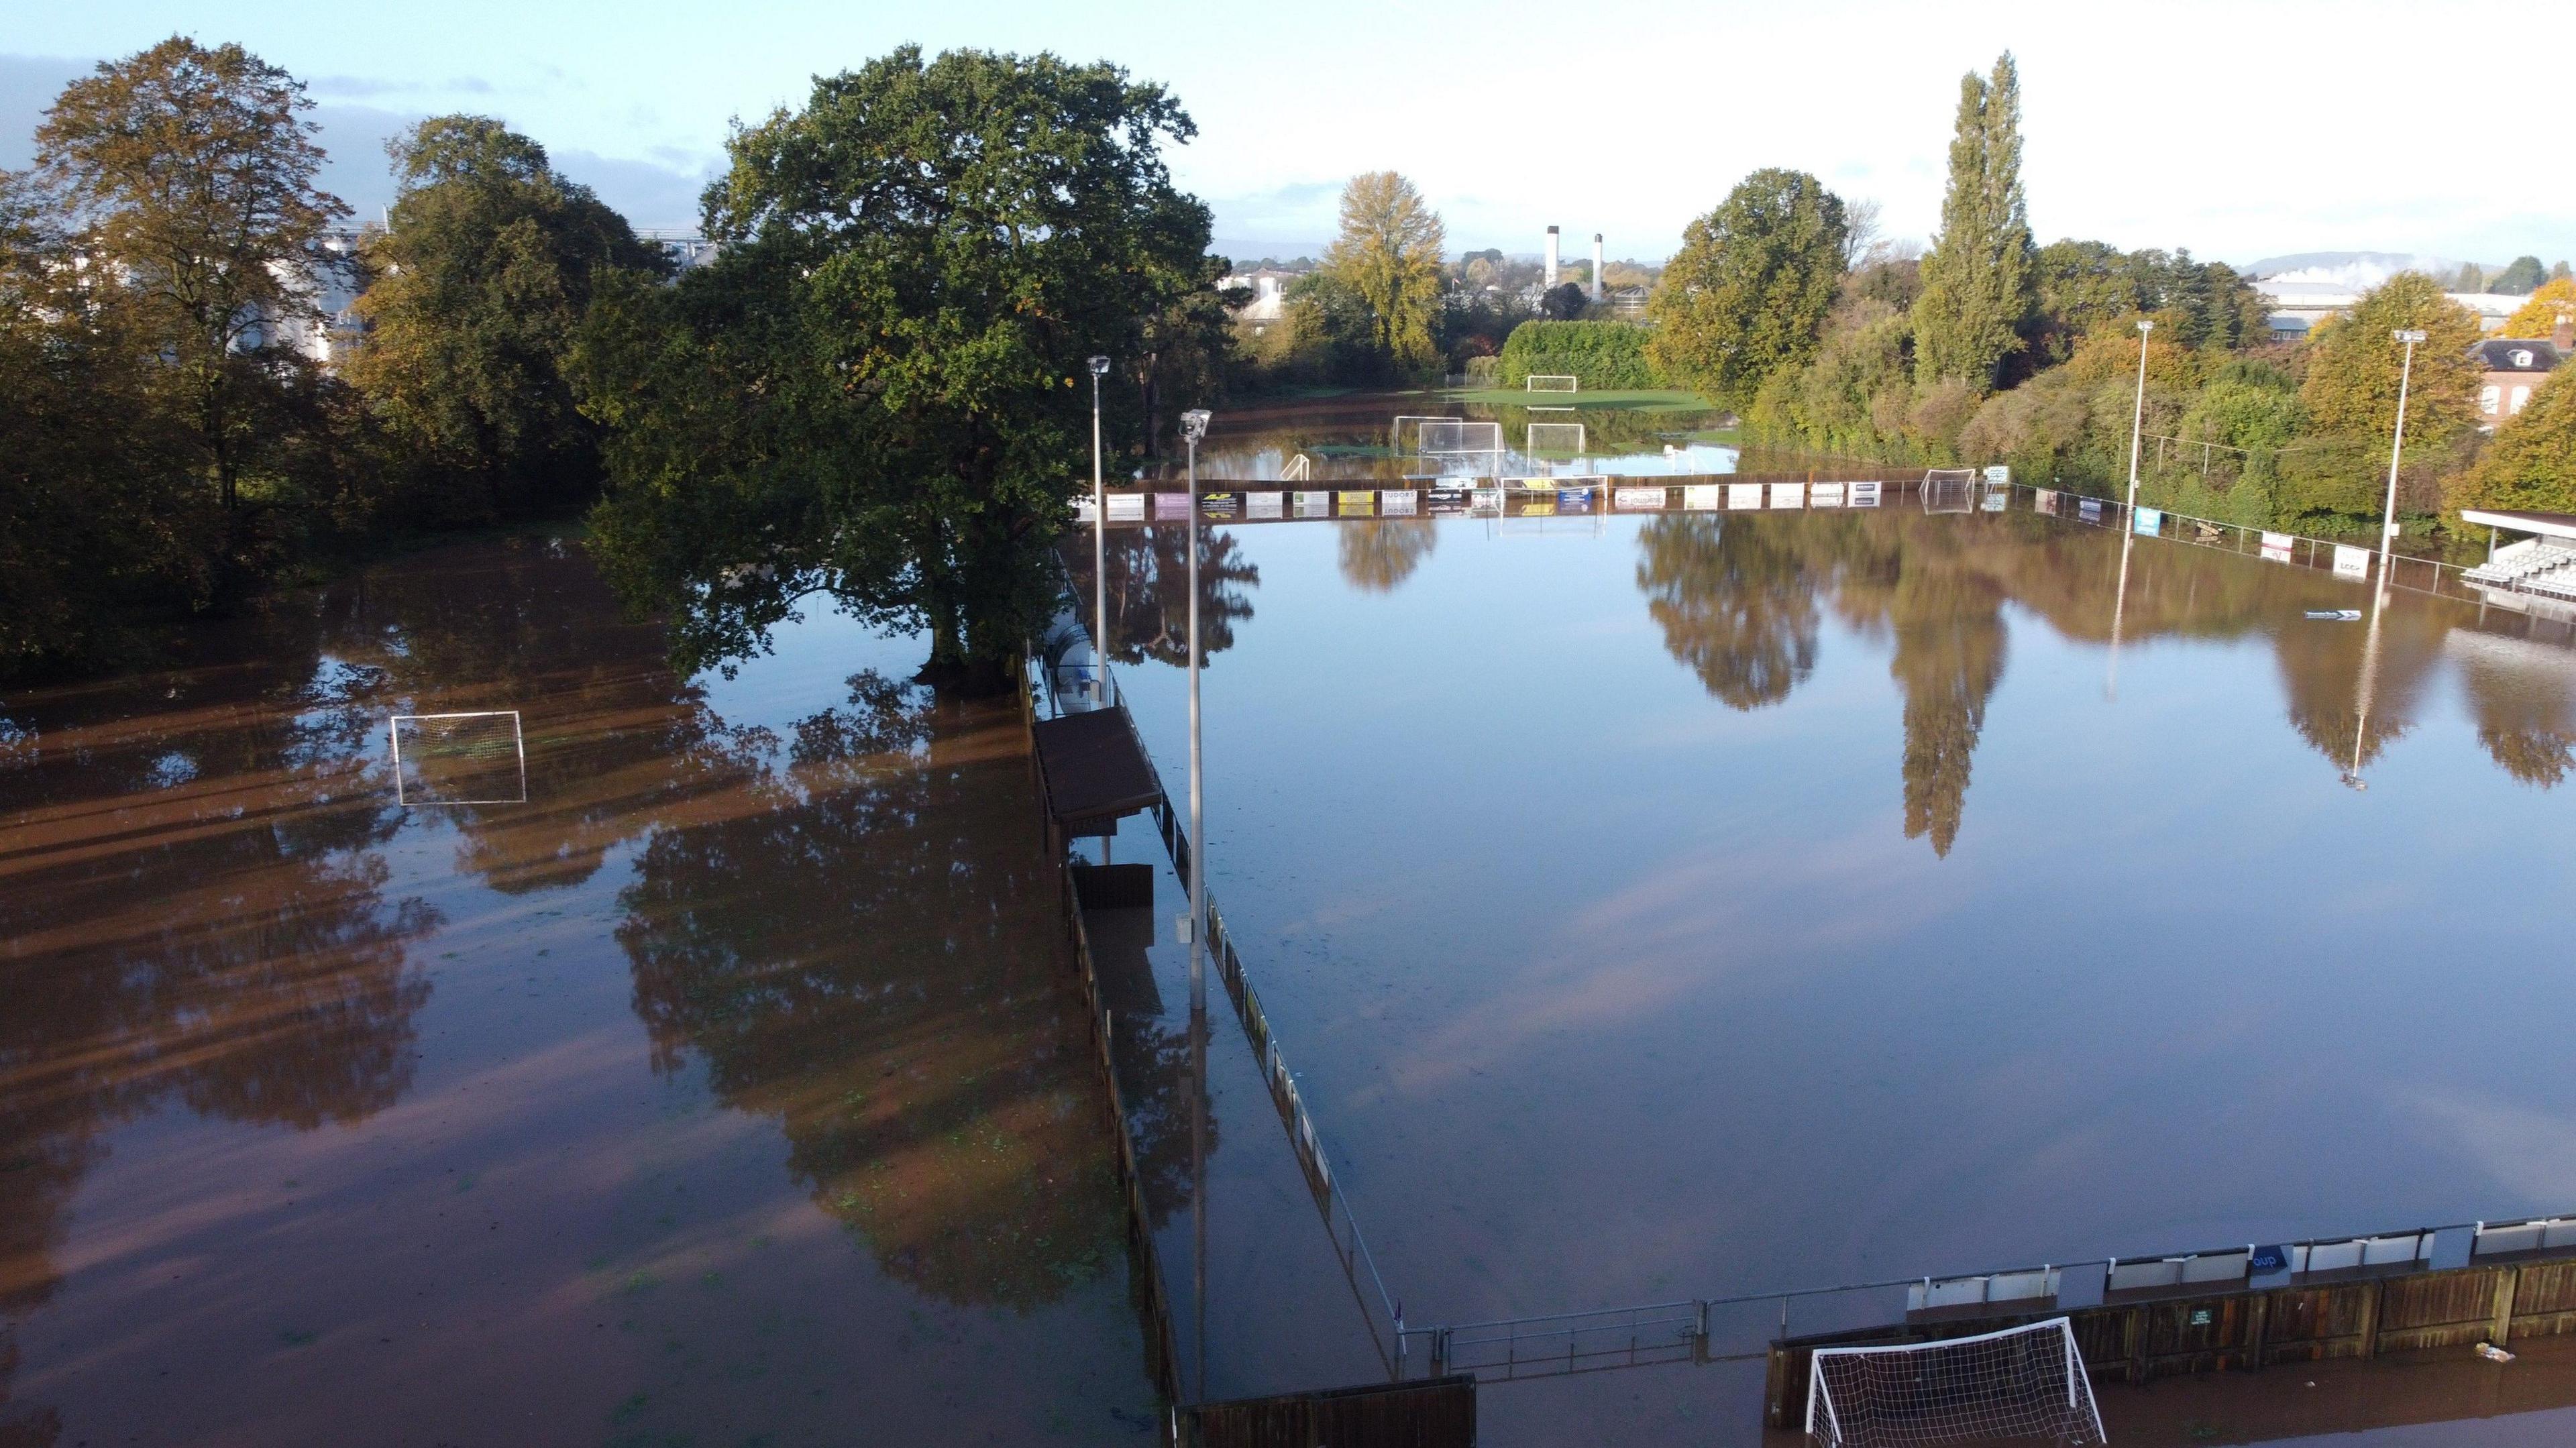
(2437, 1309)
(1440, 1413)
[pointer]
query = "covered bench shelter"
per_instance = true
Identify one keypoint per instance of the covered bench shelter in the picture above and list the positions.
(2534, 575)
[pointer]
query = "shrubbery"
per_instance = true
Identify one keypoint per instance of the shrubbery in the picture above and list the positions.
(1605, 356)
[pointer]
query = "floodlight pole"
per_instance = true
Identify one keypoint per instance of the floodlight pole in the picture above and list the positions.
(1194, 425)
(2138, 417)
(1099, 543)
(2396, 447)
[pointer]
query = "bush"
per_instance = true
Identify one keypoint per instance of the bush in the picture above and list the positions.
(1604, 356)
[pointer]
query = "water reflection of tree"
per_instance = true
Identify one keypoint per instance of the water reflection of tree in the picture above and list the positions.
(2525, 710)
(194, 908)
(1736, 604)
(1149, 592)
(871, 960)
(2322, 671)
(1378, 556)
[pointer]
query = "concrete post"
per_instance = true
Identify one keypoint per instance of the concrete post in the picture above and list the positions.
(1551, 258)
(1596, 268)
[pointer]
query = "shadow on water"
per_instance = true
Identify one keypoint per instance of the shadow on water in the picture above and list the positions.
(220, 941)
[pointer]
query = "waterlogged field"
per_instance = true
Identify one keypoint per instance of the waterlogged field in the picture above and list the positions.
(729, 1089)
(1678, 906)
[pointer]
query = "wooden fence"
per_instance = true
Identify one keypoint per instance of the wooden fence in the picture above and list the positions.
(1434, 1413)
(2248, 1328)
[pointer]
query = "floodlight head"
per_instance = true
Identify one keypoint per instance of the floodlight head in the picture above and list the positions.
(2407, 334)
(1194, 423)
(1099, 366)
(2146, 324)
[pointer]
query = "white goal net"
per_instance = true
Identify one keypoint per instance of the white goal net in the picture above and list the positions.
(2022, 1382)
(1552, 382)
(1950, 490)
(476, 758)
(1555, 437)
(1451, 448)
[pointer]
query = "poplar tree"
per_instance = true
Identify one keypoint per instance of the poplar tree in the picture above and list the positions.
(1977, 283)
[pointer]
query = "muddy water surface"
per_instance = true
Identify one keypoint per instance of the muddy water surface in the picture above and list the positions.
(728, 1090)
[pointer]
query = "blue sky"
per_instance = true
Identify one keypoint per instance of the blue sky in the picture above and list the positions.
(2238, 130)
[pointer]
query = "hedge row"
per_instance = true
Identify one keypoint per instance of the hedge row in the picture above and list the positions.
(1606, 356)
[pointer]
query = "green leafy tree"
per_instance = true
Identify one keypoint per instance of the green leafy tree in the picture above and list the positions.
(2519, 277)
(2354, 361)
(1389, 254)
(2470, 279)
(2532, 462)
(188, 176)
(1600, 356)
(875, 390)
(1748, 294)
(484, 275)
(1977, 283)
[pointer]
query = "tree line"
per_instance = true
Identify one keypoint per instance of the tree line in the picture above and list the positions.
(1991, 348)
(875, 388)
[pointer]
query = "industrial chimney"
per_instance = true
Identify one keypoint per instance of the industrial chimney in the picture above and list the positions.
(1596, 268)
(1551, 258)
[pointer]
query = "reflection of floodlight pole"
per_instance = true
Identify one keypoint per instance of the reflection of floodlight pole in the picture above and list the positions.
(2119, 605)
(1099, 543)
(2396, 446)
(1194, 425)
(2369, 686)
(2138, 418)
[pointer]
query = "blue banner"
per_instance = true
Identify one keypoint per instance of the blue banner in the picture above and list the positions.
(2147, 521)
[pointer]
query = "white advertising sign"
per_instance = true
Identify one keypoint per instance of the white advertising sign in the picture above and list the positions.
(1700, 497)
(1638, 498)
(2352, 562)
(1263, 505)
(1825, 495)
(1864, 495)
(1314, 505)
(2276, 547)
(1171, 505)
(1398, 502)
(1126, 507)
(1744, 495)
(1788, 495)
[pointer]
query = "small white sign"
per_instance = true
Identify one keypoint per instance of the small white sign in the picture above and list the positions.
(1314, 505)
(1702, 497)
(1825, 495)
(1126, 507)
(1399, 502)
(1084, 510)
(1744, 495)
(1263, 505)
(1999, 475)
(2276, 547)
(1864, 495)
(2351, 562)
(1788, 495)
(1638, 498)
(1171, 505)
(2045, 499)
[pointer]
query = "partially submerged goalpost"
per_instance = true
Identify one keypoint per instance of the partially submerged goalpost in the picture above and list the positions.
(1950, 490)
(1553, 437)
(1551, 382)
(2022, 1382)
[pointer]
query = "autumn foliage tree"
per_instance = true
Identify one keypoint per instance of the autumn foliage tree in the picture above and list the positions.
(1748, 294)
(1388, 254)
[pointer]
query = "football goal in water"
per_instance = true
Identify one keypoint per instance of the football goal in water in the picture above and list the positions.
(1554, 437)
(1551, 382)
(2022, 1382)
(1950, 490)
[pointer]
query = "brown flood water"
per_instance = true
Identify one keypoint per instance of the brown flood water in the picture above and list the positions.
(731, 1090)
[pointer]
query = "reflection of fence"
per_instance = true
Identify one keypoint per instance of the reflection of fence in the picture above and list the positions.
(2414, 574)
(1384, 1314)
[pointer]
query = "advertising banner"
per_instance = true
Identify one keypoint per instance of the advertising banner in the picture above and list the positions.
(1744, 495)
(2045, 499)
(1397, 502)
(1357, 505)
(1701, 497)
(2276, 547)
(1084, 511)
(1171, 505)
(1638, 499)
(1825, 495)
(1126, 507)
(1314, 505)
(2146, 520)
(2351, 562)
(1999, 475)
(1264, 505)
(1220, 505)
(1863, 495)
(2089, 509)
(1788, 495)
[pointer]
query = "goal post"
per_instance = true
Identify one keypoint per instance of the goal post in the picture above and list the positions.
(2020, 1382)
(1950, 490)
(1551, 382)
(1554, 437)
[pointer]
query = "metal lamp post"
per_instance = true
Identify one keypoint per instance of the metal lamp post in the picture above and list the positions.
(2138, 417)
(1194, 425)
(2397, 446)
(1099, 544)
